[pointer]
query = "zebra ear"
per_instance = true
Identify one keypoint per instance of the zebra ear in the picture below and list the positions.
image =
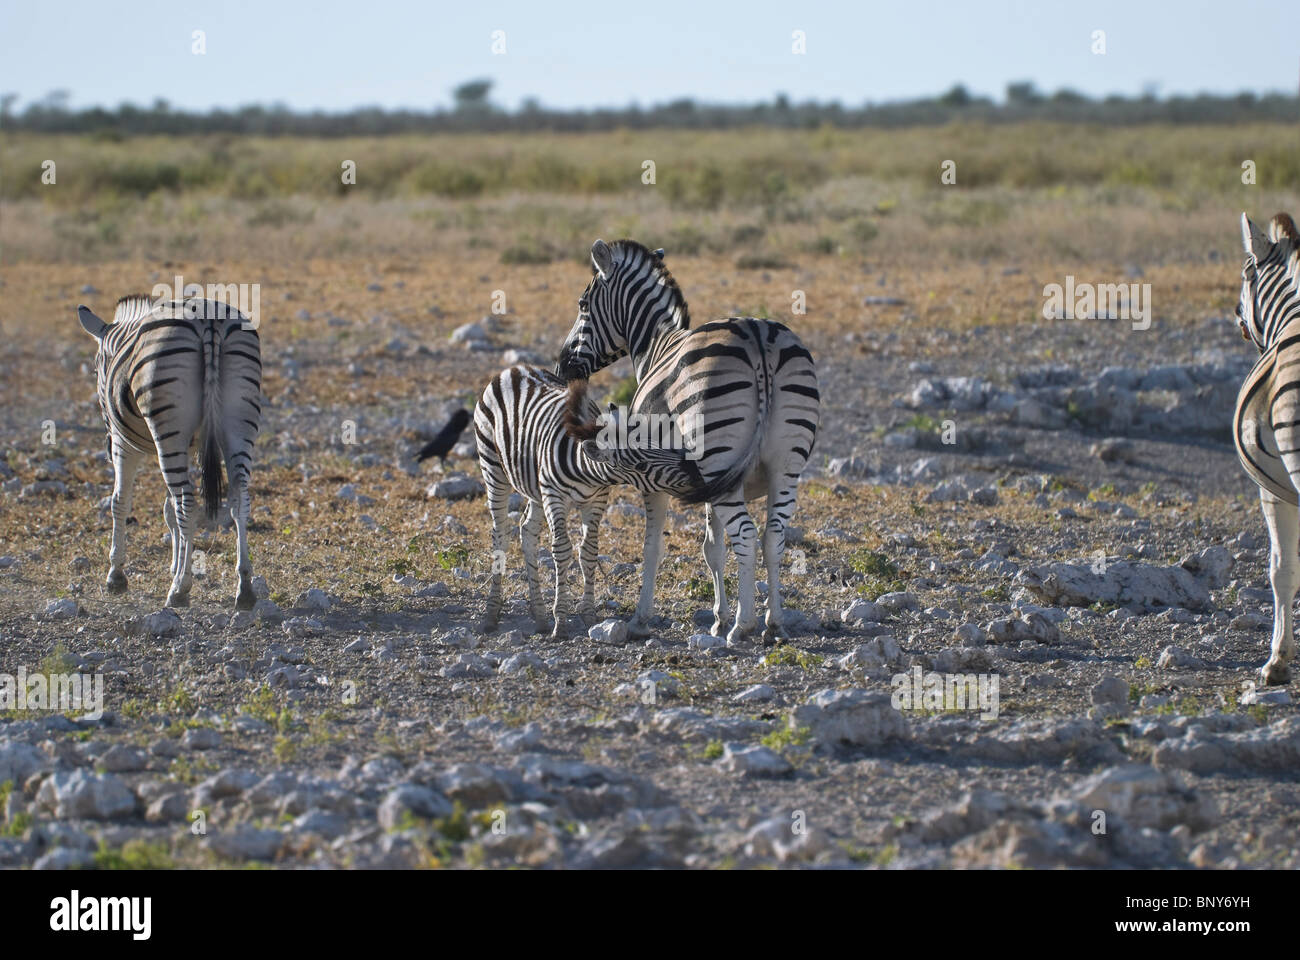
(91, 323)
(602, 258)
(659, 254)
(1254, 240)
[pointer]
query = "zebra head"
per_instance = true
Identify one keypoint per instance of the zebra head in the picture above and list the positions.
(619, 308)
(1268, 279)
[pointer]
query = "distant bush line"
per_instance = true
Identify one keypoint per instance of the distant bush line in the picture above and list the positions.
(474, 114)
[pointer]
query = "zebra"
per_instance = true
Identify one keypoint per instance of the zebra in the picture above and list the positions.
(523, 444)
(1267, 421)
(167, 370)
(751, 383)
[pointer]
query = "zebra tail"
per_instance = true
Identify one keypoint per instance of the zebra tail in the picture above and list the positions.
(209, 432)
(574, 425)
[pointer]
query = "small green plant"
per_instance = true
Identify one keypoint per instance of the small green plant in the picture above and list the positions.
(1105, 491)
(787, 737)
(455, 827)
(786, 655)
(713, 750)
(452, 557)
(57, 661)
(134, 855)
(880, 575)
(922, 423)
(180, 701)
(262, 706)
(285, 749)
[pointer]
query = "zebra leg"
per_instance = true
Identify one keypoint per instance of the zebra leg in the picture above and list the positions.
(498, 496)
(562, 553)
(237, 496)
(530, 529)
(1283, 521)
(169, 518)
(183, 503)
(780, 507)
(715, 558)
(656, 511)
(591, 513)
(126, 464)
(744, 543)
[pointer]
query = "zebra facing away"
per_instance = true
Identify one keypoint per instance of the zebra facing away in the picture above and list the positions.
(750, 386)
(522, 443)
(168, 370)
(1267, 421)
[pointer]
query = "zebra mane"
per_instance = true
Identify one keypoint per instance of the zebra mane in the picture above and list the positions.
(132, 307)
(631, 250)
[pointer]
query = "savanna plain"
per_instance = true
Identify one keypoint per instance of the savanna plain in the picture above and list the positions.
(1050, 505)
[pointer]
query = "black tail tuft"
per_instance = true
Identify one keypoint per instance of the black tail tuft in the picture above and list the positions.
(707, 492)
(210, 466)
(574, 424)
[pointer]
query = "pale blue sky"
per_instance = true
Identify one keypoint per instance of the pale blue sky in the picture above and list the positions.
(402, 53)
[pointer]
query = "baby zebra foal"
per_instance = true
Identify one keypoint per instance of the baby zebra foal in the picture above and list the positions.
(168, 370)
(522, 443)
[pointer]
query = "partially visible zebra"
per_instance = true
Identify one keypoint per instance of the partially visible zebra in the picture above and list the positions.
(522, 443)
(751, 383)
(166, 371)
(1267, 423)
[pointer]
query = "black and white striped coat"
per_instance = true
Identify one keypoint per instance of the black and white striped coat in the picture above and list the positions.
(171, 372)
(748, 386)
(1267, 421)
(519, 424)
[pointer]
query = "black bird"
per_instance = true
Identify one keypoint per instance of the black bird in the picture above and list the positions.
(441, 445)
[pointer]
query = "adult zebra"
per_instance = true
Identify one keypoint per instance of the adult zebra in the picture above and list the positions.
(751, 387)
(1267, 423)
(522, 443)
(167, 370)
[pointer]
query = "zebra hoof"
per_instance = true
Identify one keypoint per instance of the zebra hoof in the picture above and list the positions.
(637, 629)
(1275, 674)
(116, 583)
(719, 628)
(589, 616)
(541, 625)
(245, 599)
(560, 633)
(489, 624)
(178, 599)
(740, 631)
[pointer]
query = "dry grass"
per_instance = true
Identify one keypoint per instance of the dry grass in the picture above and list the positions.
(1106, 196)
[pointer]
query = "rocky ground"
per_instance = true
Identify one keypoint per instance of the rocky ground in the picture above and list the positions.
(1051, 505)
